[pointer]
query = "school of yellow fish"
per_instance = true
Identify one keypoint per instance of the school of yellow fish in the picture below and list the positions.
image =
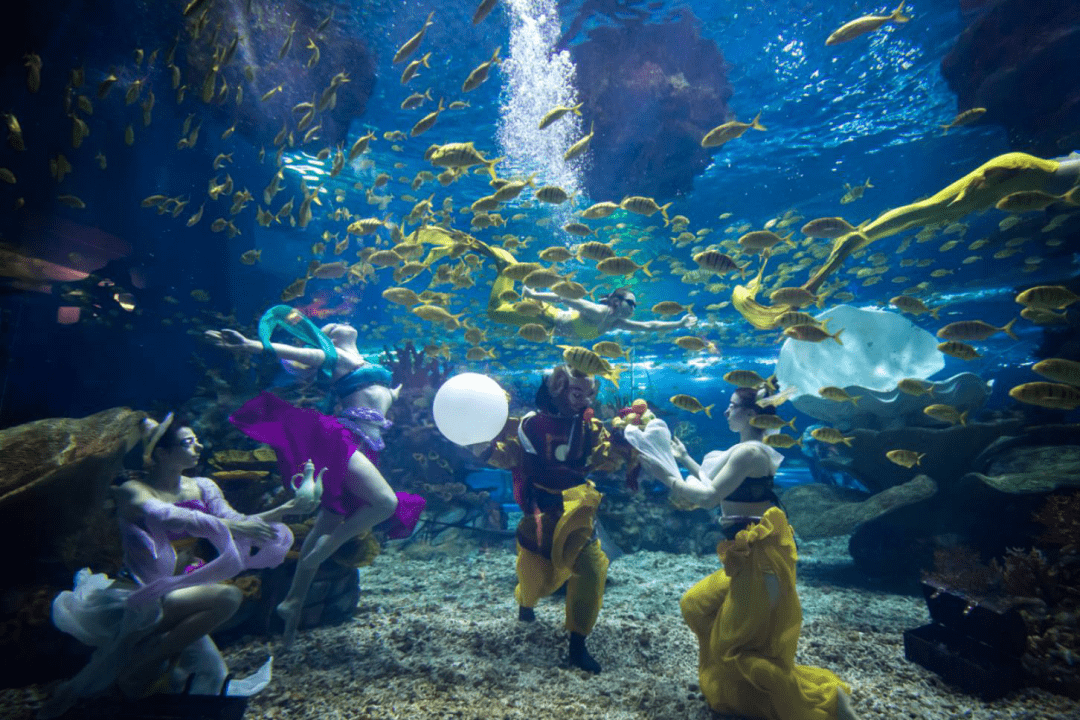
(426, 244)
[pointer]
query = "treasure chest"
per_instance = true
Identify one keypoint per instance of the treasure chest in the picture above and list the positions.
(973, 645)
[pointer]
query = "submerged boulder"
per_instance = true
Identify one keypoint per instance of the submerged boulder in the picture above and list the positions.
(54, 474)
(653, 91)
(820, 511)
(1017, 59)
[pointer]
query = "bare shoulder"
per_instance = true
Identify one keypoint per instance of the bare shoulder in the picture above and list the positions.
(752, 459)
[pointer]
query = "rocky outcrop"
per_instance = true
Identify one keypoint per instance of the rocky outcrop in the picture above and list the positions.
(821, 511)
(1018, 59)
(54, 474)
(949, 452)
(653, 92)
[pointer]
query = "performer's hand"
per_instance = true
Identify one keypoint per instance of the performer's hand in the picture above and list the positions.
(678, 449)
(688, 320)
(228, 339)
(251, 528)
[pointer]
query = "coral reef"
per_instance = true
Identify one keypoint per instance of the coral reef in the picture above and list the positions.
(1016, 59)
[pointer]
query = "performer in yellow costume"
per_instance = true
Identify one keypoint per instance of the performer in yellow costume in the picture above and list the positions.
(746, 616)
(551, 453)
(981, 188)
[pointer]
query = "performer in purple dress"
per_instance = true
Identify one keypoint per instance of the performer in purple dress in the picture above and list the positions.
(356, 496)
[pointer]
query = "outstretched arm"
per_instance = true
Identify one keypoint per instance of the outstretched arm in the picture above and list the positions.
(233, 340)
(579, 305)
(654, 325)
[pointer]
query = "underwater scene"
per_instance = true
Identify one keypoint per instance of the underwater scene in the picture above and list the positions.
(540, 358)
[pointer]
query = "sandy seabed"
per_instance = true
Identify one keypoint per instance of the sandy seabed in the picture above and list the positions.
(436, 635)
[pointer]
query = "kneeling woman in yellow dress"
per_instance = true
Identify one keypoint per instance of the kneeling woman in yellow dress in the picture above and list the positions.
(747, 616)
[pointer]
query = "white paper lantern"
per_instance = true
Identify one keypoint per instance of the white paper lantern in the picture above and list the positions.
(470, 408)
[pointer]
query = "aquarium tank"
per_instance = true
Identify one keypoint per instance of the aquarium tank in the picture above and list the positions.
(523, 358)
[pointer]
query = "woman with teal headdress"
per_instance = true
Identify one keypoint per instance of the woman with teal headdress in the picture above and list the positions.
(356, 496)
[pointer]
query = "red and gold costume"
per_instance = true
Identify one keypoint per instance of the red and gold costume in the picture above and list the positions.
(551, 457)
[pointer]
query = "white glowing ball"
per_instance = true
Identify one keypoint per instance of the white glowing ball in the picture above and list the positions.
(470, 408)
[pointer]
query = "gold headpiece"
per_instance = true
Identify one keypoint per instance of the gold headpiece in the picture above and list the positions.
(153, 438)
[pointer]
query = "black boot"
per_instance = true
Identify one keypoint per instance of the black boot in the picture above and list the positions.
(579, 654)
(526, 614)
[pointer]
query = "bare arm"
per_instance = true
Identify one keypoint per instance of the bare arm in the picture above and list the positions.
(232, 340)
(654, 325)
(579, 305)
(709, 492)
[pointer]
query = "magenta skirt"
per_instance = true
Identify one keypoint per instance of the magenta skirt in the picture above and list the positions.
(301, 434)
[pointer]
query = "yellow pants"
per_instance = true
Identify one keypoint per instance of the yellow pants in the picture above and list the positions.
(574, 558)
(747, 633)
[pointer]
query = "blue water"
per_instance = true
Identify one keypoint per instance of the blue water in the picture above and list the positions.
(871, 108)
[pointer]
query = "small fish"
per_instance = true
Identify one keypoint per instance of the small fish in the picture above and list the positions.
(270, 93)
(974, 330)
(946, 413)
(1047, 297)
(827, 228)
(480, 74)
(836, 394)
(745, 378)
(194, 219)
(412, 68)
(294, 290)
(587, 362)
(1027, 201)
(960, 350)
(670, 307)
(915, 387)
(729, 131)
(475, 354)
(619, 265)
(829, 435)
(812, 333)
(854, 192)
(609, 349)
(912, 305)
(413, 43)
(1059, 370)
(71, 201)
(33, 71)
(315, 54)
(965, 118)
(482, 10)
(905, 458)
(581, 146)
(693, 343)
(1049, 395)
(782, 441)
(690, 404)
(558, 112)
(251, 257)
(644, 206)
(221, 159)
(771, 422)
(865, 24)
(288, 42)
(200, 295)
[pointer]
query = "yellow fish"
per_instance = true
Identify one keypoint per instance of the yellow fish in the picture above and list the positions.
(865, 24)
(1050, 395)
(729, 131)
(905, 458)
(589, 363)
(832, 436)
(691, 404)
(946, 413)
(831, 392)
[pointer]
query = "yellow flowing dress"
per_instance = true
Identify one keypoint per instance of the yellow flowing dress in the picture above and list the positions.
(747, 641)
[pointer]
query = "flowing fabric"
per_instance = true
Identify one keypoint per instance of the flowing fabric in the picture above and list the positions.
(300, 434)
(747, 634)
(112, 616)
(654, 442)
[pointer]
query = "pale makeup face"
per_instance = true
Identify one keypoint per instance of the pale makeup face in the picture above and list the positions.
(187, 451)
(738, 416)
(340, 334)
